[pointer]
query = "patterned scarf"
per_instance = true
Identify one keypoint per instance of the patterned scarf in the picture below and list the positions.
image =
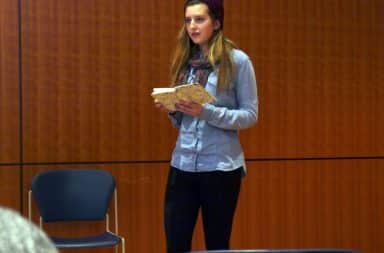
(201, 68)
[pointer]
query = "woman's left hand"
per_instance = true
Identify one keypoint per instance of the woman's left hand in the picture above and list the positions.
(190, 108)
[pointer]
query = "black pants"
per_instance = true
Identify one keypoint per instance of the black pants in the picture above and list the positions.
(215, 192)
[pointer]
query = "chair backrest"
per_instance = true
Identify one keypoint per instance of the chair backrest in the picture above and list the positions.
(73, 194)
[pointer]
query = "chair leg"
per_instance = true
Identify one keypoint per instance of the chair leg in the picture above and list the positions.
(123, 245)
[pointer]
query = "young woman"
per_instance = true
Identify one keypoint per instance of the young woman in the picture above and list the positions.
(208, 162)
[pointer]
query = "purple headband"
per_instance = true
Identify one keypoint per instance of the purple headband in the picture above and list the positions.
(216, 7)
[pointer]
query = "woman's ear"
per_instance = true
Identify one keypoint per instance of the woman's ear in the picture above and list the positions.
(216, 25)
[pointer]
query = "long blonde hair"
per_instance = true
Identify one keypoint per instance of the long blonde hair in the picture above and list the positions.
(219, 56)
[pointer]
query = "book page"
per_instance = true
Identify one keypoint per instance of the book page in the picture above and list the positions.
(161, 90)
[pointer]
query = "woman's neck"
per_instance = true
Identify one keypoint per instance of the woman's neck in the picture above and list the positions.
(204, 50)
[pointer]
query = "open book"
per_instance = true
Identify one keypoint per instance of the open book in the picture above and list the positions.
(190, 92)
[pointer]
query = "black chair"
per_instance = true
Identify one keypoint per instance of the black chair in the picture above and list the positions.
(76, 195)
(279, 251)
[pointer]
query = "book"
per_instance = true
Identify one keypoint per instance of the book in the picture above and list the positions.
(190, 92)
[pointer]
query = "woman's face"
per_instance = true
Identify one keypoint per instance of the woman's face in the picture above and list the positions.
(200, 25)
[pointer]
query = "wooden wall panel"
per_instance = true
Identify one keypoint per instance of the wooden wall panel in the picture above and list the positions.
(306, 204)
(292, 204)
(9, 82)
(10, 187)
(319, 69)
(89, 70)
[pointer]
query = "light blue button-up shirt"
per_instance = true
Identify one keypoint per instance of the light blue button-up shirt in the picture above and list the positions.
(210, 142)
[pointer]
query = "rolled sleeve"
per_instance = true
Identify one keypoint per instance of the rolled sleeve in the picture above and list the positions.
(245, 115)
